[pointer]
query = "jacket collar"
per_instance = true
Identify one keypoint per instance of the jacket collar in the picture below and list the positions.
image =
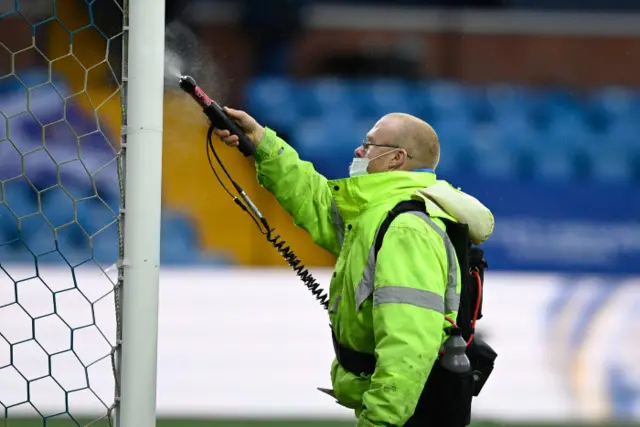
(356, 194)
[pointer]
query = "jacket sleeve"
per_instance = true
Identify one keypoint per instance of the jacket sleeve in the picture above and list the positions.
(300, 190)
(408, 306)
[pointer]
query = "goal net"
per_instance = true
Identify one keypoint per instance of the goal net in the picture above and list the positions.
(60, 227)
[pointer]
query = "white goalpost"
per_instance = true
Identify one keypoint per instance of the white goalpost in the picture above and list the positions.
(77, 345)
(141, 168)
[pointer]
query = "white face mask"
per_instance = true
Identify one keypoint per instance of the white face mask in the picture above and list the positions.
(360, 165)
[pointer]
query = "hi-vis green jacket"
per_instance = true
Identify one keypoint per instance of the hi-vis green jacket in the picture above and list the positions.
(393, 308)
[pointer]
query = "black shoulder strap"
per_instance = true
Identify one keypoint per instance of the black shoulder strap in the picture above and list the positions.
(402, 207)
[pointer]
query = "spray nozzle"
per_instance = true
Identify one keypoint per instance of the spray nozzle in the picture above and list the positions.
(187, 83)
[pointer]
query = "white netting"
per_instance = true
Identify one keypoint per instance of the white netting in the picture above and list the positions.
(59, 208)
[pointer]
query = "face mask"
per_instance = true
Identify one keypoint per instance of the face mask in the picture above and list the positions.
(359, 165)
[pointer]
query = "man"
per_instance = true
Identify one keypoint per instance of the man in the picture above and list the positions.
(392, 305)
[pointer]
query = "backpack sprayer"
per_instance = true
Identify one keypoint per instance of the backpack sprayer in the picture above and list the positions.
(220, 120)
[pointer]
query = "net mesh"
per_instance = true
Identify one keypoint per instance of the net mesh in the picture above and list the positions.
(60, 192)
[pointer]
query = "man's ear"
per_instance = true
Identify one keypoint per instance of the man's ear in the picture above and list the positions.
(398, 159)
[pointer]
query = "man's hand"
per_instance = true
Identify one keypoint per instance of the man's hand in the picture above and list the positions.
(248, 124)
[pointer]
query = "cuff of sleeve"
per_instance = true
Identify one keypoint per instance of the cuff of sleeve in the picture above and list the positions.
(363, 422)
(268, 146)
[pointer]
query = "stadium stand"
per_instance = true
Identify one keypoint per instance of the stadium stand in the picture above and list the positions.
(48, 169)
(520, 133)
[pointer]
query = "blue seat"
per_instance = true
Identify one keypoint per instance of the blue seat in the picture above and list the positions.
(37, 234)
(329, 143)
(377, 97)
(179, 244)
(93, 215)
(21, 197)
(76, 180)
(175, 224)
(40, 169)
(553, 103)
(57, 206)
(104, 245)
(456, 131)
(493, 156)
(610, 165)
(516, 130)
(623, 132)
(324, 96)
(555, 163)
(568, 129)
(73, 243)
(16, 252)
(46, 104)
(310, 136)
(329, 135)
(8, 225)
(506, 99)
(611, 103)
(272, 102)
(443, 100)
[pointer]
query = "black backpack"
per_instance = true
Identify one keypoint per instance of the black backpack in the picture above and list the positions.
(472, 266)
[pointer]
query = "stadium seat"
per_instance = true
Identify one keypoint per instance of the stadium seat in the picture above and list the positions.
(104, 245)
(8, 225)
(272, 102)
(505, 99)
(375, 98)
(37, 234)
(610, 165)
(568, 129)
(20, 196)
(324, 97)
(57, 206)
(492, 155)
(329, 143)
(611, 103)
(443, 100)
(623, 132)
(557, 163)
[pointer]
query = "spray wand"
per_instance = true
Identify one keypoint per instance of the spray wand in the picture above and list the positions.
(220, 120)
(216, 115)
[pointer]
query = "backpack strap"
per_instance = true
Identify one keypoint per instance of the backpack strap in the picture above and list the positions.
(400, 208)
(467, 257)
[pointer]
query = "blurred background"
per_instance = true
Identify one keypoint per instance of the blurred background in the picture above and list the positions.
(537, 107)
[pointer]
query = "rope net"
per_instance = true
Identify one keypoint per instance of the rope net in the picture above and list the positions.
(60, 188)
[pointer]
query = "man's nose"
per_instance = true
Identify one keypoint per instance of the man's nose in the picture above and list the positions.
(359, 152)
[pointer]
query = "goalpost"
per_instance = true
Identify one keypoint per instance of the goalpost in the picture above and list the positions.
(80, 190)
(141, 159)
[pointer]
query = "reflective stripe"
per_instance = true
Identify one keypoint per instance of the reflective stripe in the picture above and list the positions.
(334, 306)
(365, 287)
(451, 299)
(451, 296)
(337, 221)
(404, 295)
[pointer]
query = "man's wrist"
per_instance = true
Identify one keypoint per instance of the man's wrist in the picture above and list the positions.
(267, 146)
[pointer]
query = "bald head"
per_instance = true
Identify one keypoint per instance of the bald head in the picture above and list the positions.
(418, 137)
(402, 130)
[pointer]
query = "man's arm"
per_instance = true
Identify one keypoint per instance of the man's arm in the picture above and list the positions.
(408, 306)
(300, 190)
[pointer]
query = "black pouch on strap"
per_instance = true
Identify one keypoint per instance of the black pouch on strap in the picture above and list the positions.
(445, 400)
